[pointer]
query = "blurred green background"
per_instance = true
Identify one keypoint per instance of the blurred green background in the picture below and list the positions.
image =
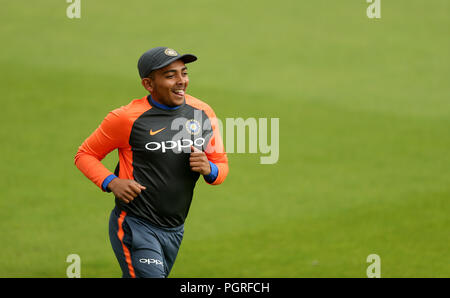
(364, 114)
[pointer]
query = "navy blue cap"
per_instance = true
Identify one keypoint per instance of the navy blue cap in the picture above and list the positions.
(160, 57)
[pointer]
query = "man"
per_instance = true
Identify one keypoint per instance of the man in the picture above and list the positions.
(165, 141)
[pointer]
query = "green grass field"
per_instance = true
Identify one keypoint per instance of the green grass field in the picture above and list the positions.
(364, 108)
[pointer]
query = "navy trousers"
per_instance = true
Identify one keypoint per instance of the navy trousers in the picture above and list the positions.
(142, 249)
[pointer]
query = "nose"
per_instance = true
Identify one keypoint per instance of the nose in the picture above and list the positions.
(181, 81)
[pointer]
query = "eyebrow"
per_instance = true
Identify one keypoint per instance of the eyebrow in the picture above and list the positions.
(174, 70)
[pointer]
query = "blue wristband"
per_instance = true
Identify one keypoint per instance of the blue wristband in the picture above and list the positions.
(106, 182)
(211, 177)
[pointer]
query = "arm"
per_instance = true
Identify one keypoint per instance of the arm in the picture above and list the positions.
(112, 133)
(213, 163)
(107, 137)
(215, 151)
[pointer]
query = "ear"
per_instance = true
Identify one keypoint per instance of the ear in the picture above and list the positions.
(148, 84)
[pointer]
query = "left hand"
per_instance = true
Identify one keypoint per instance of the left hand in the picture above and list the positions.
(199, 162)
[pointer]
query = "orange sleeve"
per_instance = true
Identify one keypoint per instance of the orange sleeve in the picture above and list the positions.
(215, 150)
(112, 133)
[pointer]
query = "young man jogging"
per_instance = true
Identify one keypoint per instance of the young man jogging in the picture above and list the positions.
(165, 141)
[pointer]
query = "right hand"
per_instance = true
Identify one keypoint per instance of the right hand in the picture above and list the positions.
(125, 189)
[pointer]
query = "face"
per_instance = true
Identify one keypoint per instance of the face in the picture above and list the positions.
(168, 85)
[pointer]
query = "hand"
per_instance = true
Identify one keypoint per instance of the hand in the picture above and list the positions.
(199, 162)
(125, 190)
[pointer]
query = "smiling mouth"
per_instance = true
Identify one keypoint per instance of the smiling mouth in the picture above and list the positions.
(178, 92)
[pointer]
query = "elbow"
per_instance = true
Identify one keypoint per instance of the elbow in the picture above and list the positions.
(77, 157)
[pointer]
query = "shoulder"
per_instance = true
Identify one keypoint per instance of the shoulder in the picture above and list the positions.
(132, 110)
(199, 105)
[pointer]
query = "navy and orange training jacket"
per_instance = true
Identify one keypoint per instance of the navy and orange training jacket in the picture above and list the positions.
(153, 143)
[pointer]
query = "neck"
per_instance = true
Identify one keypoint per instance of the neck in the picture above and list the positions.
(160, 105)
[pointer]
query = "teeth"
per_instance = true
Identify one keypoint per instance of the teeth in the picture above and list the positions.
(178, 91)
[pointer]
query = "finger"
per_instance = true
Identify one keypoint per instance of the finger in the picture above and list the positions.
(124, 199)
(128, 195)
(140, 186)
(196, 150)
(135, 189)
(197, 155)
(196, 169)
(197, 164)
(196, 158)
(131, 194)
